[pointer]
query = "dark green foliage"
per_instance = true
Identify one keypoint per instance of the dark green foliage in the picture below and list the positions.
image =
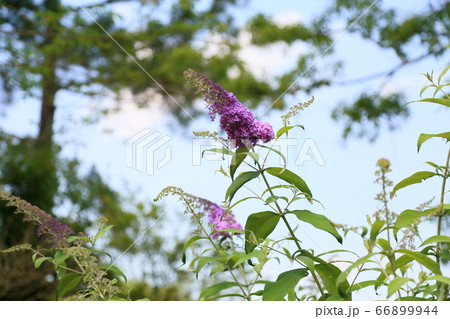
(369, 112)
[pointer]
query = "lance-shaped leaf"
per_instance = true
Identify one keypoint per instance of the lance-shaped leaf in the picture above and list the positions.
(329, 275)
(423, 260)
(376, 229)
(424, 137)
(285, 129)
(413, 179)
(319, 221)
(436, 239)
(215, 289)
(113, 269)
(67, 283)
(286, 282)
(259, 226)
(238, 183)
(291, 178)
(237, 159)
(396, 284)
(218, 150)
(444, 102)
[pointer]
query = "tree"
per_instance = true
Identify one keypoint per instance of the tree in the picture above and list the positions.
(50, 49)
(413, 38)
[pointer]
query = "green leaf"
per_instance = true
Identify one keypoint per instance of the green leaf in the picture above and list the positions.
(59, 259)
(440, 278)
(362, 284)
(436, 239)
(384, 244)
(101, 232)
(259, 225)
(246, 257)
(309, 263)
(215, 289)
(329, 275)
(376, 228)
(276, 151)
(286, 282)
(415, 178)
(186, 246)
(202, 262)
(114, 269)
(424, 89)
(343, 276)
(238, 183)
(237, 159)
(318, 221)
(435, 100)
(285, 129)
(253, 155)
(424, 137)
(396, 284)
(71, 239)
(423, 260)
(406, 218)
(273, 198)
(218, 150)
(442, 74)
(38, 262)
(66, 284)
(439, 88)
(291, 178)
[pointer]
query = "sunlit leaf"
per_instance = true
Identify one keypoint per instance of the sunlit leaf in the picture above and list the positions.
(423, 260)
(396, 284)
(442, 74)
(445, 102)
(424, 137)
(415, 178)
(285, 129)
(436, 239)
(101, 232)
(440, 278)
(376, 228)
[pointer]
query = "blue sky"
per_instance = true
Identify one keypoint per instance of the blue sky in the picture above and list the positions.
(344, 185)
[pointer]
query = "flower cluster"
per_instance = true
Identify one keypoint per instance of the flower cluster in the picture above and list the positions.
(49, 229)
(237, 120)
(219, 218)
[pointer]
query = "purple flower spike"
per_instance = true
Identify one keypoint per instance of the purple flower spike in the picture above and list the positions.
(237, 120)
(219, 217)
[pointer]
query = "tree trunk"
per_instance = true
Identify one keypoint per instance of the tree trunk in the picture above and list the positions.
(49, 80)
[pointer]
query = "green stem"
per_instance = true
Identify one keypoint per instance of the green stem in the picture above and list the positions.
(246, 296)
(441, 204)
(291, 231)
